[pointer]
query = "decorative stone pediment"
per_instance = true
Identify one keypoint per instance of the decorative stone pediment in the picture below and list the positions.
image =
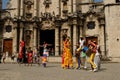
(47, 25)
(7, 35)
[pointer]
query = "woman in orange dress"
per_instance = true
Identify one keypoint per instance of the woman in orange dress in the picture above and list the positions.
(63, 55)
(68, 61)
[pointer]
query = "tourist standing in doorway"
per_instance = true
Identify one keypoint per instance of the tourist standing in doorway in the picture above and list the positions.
(45, 50)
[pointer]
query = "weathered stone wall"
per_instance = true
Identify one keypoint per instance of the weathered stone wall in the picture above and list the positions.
(112, 17)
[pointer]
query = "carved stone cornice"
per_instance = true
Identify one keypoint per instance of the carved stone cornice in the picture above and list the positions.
(28, 2)
(65, 1)
(46, 16)
(47, 2)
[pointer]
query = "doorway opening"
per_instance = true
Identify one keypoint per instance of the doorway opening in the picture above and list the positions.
(48, 36)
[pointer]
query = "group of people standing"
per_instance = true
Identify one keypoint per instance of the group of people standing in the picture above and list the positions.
(32, 56)
(85, 52)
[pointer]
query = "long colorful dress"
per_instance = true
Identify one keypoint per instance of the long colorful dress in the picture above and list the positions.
(22, 44)
(63, 55)
(68, 61)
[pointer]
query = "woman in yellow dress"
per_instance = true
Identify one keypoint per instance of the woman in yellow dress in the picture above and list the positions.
(68, 61)
(63, 55)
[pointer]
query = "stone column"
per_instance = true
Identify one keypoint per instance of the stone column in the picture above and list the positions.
(74, 35)
(21, 33)
(15, 40)
(38, 36)
(57, 42)
(35, 37)
(74, 5)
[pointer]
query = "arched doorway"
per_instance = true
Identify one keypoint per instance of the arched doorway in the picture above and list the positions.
(48, 36)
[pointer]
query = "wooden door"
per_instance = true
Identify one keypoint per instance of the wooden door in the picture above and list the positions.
(7, 46)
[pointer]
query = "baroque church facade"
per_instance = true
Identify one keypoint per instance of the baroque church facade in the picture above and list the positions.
(39, 21)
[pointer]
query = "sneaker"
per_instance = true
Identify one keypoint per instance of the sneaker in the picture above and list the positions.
(91, 70)
(85, 68)
(95, 70)
(78, 68)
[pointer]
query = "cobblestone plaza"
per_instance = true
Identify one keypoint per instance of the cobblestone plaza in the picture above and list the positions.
(53, 71)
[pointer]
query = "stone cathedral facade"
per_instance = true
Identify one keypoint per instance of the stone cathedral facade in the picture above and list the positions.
(36, 21)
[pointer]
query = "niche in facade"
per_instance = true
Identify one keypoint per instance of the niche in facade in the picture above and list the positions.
(91, 25)
(8, 28)
(28, 15)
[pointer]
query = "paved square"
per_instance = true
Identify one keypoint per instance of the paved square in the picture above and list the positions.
(53, 71)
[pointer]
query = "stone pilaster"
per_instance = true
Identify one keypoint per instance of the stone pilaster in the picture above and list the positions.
(35, 37)
(75, 32)
(74, 37)
(57, 42)
(21, 33)
(15, 40)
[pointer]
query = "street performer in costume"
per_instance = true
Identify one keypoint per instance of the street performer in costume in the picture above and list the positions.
(93, 48)
(63, 55)
(68, 61)
(22, 44)
(64, 52)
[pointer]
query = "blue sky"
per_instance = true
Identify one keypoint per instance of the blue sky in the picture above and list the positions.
(98, 0)
(4, 4)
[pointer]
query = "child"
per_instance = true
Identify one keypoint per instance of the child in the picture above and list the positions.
(44, 60)
(38, 60)
(77, 55)
(30, 58)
